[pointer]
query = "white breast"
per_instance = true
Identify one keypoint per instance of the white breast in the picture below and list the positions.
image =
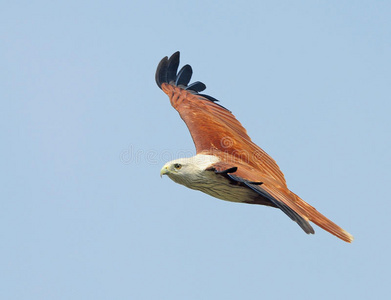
(221, 188)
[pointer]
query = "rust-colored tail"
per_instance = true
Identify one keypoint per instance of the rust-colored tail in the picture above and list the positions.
(320, 220)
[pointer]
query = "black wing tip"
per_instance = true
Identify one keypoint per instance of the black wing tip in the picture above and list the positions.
(161, 72)
(172, 67)
(167, 72)
(167, 68)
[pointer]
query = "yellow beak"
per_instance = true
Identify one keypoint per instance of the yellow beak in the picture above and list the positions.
(164, 171)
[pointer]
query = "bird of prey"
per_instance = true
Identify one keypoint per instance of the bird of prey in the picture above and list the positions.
(227, 164)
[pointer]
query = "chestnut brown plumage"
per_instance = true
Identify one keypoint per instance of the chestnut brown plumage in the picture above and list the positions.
(228, 165)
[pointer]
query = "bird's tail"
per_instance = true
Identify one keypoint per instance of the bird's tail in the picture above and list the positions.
(316, 217)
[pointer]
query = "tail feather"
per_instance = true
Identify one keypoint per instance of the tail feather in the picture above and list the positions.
(323, 222)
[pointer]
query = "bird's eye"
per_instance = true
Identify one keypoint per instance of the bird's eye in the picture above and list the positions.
(177, 166)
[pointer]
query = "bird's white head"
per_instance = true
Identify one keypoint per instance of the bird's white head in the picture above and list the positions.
(188, 171)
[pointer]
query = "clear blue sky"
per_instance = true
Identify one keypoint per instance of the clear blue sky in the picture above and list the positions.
(85, 131)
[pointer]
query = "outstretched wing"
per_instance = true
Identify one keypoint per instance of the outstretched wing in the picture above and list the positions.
(214, 128)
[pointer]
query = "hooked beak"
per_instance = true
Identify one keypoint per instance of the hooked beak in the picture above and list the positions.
(164, 171)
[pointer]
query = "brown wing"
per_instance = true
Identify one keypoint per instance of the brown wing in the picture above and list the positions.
(279, 196)
(212, 127)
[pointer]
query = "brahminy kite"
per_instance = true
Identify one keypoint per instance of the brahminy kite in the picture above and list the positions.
(228, 165)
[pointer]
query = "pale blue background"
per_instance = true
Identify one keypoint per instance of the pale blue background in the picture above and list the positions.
(85, 131)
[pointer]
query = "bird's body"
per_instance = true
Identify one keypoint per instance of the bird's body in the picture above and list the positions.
(228, 165)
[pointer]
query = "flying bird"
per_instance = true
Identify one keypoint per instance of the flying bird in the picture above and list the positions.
(227, 164)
